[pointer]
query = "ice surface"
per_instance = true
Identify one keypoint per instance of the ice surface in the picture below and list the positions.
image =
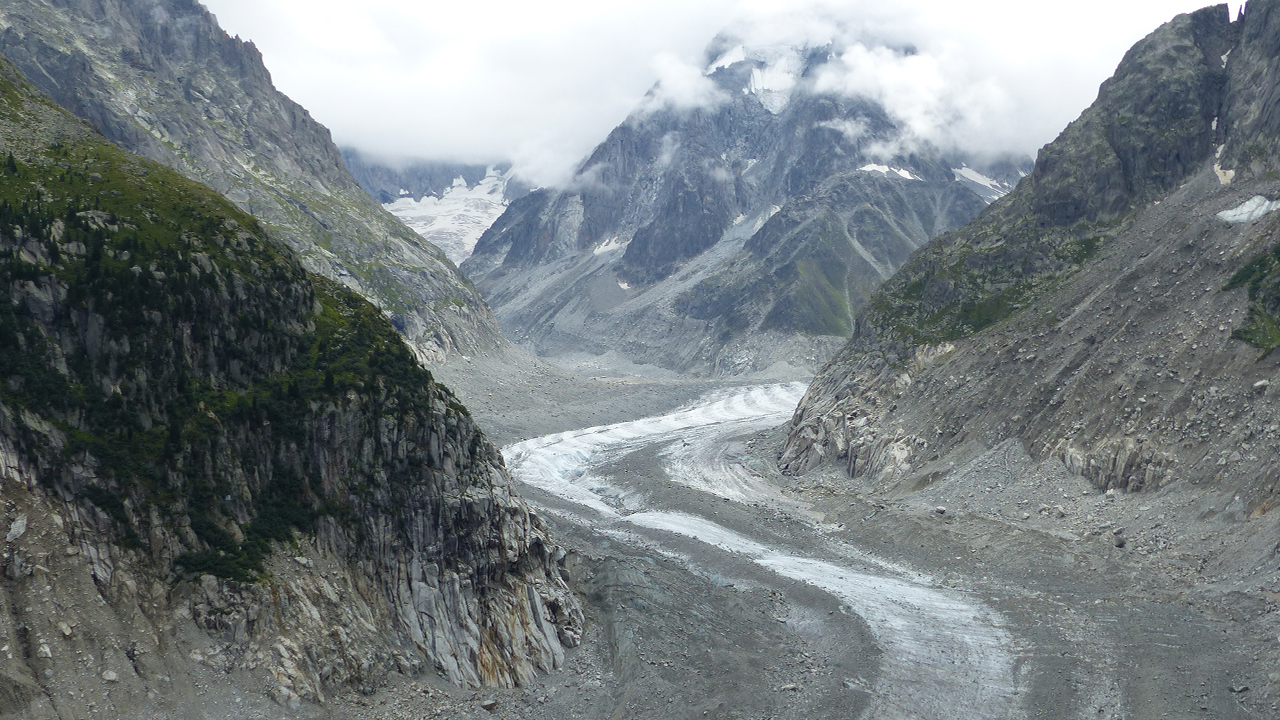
(454, 221)
(558, 463)
(938, 644)
(1250, 210)
(773, 83)
(942, 651)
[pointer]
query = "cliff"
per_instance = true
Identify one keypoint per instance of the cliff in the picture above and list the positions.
(211, 458)
(161, 79)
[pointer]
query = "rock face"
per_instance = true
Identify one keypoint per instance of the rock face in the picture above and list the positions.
(1090, 313)
(726, 237)
(196, 433)
(160, 78)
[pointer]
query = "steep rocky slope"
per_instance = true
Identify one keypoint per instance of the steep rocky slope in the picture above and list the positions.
(725, 237)
(1115, 312)
(160, 78)
(220, 470)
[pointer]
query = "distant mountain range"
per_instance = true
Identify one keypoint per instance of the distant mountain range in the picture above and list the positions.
(728, 237)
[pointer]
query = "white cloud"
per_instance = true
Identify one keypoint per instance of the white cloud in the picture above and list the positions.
(542, 83)
(682, 85)
(853, 130)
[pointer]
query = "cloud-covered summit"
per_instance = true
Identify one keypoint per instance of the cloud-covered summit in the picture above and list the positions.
(540, 84)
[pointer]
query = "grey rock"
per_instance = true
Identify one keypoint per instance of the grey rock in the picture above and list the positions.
(162, 79)
(721, 240)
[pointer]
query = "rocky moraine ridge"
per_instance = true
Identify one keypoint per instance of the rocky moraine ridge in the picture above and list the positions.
(1116, 313)
(160, 78)
(725, 237)
(222, 471)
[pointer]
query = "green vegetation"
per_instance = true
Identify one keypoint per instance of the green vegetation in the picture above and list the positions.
(1261, 330)
(176, 347)
(977, 278)
(1262, 277)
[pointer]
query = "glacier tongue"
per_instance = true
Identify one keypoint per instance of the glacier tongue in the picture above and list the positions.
(454, 221)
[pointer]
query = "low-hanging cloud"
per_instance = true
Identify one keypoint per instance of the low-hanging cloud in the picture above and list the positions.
(540, 84)
(681, 85)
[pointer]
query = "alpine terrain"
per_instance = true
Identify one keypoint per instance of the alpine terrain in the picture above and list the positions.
(728, 236)
(160, 78)
(1034, 477)
(223, 475)
(1112, 319)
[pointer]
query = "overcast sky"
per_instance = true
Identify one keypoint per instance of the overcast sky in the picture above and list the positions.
(540, 83)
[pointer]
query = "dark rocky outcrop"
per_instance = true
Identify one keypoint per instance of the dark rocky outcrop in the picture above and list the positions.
(160, 78)
(1104, 313)
(194, 429)
(723, 238)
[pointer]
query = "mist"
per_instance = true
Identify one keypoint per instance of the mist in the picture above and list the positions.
(539, 85)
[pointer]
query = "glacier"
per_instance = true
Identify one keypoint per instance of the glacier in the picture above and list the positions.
(456, 219)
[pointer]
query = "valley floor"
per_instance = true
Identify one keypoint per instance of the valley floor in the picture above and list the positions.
(717, 587)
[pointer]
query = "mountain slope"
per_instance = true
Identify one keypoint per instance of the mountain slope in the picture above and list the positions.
(181, 404)
(160, 78)
(1090, 314)
(725, 237)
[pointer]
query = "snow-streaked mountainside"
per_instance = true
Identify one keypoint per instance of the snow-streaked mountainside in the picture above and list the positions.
(456, 219)
(724, 233)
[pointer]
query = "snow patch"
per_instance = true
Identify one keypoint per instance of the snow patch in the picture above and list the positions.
(1224, 176)
(609, 245)
(989, 189)
(974, 176)
(886, 171)
(1250, 210)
